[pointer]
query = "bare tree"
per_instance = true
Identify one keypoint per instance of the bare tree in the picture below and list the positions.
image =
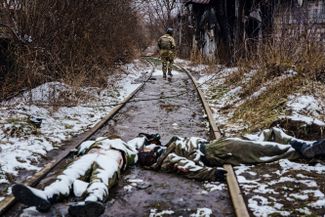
(158, 14)
(69, 38)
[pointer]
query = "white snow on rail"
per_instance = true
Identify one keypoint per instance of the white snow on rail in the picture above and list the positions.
(23, 145)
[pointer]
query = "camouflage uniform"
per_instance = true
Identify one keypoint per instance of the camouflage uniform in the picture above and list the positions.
(99, 164)
(196, 158)
(89, 177)
(183, 156)
(166, 44)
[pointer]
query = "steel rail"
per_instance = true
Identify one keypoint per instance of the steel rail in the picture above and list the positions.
(9, 201)
(234, 190)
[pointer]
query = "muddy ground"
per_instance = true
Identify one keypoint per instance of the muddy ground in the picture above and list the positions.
(148, 193)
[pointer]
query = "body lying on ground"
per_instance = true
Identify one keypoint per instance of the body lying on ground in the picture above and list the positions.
(196, 158)
(101, 161)
(89, 177)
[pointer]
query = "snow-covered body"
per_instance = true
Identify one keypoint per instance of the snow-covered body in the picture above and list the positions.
(89, 177)
(101, 162)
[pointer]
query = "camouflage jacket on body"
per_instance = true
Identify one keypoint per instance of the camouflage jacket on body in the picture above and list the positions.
(166, 45)
(186, 156)
(183, 155)
(128, 152)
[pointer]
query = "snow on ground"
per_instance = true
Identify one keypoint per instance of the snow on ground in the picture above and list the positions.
(212, 84)
(155, 213)
(202, 212)
(282, 188)
(135, 182)
(306, 108)
(270, 192)
(199, 212)
(159, 72)
(191, 66)
(213, 186)
(23, 143)
(224, 99)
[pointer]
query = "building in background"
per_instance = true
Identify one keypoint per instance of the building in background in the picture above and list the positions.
(307, 19)
(225, 30)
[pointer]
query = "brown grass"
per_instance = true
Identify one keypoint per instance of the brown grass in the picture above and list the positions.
(259, 113)
(274, 59)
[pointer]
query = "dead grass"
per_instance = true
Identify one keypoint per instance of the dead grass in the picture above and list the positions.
(302, 56)
(262, 111)
(236, 77)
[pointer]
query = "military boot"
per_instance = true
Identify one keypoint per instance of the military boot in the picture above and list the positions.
(170, 74)
(31, 197)
(164, 75)
(86, 209)
(220, 174)
(315, 149)
(309, 150)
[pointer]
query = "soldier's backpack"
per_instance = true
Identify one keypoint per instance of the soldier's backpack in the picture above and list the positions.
(165, 43)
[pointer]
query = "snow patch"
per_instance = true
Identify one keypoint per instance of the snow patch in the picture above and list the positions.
(156, 213)
(213, 186)
(202, 212)
(304, 103)
(262, 207)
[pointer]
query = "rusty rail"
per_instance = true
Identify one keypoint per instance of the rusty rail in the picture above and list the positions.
(234, 190)
(9, 201)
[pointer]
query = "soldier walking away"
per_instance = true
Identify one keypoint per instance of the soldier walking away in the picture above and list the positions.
(166, 45)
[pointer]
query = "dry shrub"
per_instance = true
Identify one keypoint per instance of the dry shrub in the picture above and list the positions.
(301, 54)
(236, 77)
(260, 112)
(61, 39)
(196, 56)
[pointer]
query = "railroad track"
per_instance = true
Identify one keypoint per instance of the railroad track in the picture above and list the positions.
(233, 186)
(234, 191)
(8, 202)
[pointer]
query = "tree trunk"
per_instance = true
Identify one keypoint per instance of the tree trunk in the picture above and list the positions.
(225, 48)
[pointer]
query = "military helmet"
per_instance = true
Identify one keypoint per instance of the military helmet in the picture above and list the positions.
(170, 31)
